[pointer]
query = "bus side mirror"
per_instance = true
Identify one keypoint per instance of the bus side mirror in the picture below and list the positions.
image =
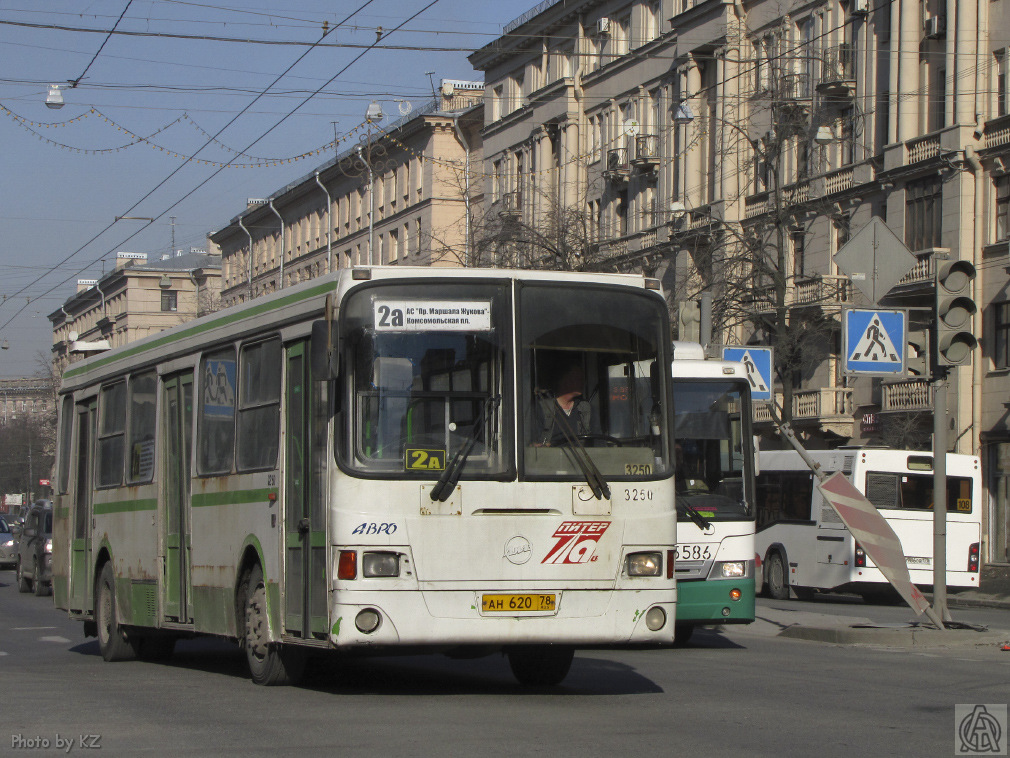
(325, 352)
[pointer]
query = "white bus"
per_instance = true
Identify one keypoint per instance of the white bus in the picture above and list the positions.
(715, 491)
(806, 547)
(358, 463)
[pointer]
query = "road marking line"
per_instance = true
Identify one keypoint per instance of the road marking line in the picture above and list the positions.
(31, 628)
(60, 640)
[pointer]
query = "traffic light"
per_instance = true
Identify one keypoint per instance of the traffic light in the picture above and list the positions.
(954, 311)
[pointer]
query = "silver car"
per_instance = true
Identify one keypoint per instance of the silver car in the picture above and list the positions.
(8, 545)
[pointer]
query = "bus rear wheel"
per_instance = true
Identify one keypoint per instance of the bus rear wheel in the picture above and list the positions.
(270, 663)
(540, 665)
(112, 639)
(775, 570)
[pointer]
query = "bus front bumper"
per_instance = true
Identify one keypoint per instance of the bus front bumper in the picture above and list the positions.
(582, 618)
(711, 602)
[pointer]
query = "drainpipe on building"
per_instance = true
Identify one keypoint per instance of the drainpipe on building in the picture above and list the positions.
(329, 225)
(466, 190)
(196, 286)
(242, 227)
(278, 213)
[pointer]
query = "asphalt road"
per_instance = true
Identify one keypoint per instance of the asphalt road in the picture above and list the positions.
(742, 691)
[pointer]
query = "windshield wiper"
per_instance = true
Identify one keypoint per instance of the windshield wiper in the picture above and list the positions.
(447, 481)
(592, 474)
(700, 521)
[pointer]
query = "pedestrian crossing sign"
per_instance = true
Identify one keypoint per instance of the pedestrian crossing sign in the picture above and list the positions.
(758, 362)
(874, 341)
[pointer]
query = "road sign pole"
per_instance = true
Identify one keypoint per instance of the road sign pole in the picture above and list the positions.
(940, 495)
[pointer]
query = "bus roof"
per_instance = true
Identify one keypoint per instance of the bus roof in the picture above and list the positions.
(291, 305)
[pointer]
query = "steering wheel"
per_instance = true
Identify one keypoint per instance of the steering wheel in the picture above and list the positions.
(593, 437)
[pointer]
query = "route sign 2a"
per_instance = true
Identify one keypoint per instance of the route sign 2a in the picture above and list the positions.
(758, 361)
(873, 341)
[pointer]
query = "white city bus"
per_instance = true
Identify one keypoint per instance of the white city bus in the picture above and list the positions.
(358, 463)
(715, 491)
(806, 547)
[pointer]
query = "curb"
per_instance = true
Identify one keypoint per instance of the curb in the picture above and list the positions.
(897, 636)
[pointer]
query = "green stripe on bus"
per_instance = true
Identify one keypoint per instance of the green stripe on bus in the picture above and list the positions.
(252, 311)
(235, 497)
(126, 506)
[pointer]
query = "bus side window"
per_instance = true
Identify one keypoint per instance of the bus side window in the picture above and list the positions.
(784, 496)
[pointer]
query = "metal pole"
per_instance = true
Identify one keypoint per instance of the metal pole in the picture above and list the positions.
(940, 495)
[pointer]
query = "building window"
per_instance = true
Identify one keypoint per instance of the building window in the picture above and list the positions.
(798, 239)
(923, 200)
(1001, 335)
(1002, 208)
(169, 301)
(1001, 83)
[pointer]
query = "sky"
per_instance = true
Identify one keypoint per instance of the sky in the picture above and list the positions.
(160, 81)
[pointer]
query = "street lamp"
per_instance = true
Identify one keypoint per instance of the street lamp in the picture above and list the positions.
(54, 98)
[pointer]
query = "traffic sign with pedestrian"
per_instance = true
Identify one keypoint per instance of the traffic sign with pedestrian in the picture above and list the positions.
(758, 362)
(874, 341)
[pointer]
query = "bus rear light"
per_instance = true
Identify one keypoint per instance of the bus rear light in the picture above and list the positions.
(860, 561)
(645, 564)
(347, 564)
(973, 557)
(671, 563)
(380, 564)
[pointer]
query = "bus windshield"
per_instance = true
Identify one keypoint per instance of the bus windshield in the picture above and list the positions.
(427, 376)
(711, 449)
(592, 383)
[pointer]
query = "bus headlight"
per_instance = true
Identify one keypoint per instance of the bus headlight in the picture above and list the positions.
(49, 546)
(380, 564)
(645, 564)
(730, 569)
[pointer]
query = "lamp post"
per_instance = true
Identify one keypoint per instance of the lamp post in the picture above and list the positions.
(374, 113)
(767, 251)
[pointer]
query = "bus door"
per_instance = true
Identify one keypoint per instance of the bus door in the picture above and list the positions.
(81, 576)
(305, 477)
(833, 547)
(177, 397)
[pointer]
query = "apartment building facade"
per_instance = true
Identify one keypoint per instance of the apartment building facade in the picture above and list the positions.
(401, 196)
(137, 298)
(735, 148)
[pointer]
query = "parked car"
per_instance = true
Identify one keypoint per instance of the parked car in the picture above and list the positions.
(8, 545)
(35, 549)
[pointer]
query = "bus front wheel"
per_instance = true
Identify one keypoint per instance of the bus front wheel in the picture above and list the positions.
(270, 663)
(682, 634)
(775, 570)
(540, 665)
(112, 639)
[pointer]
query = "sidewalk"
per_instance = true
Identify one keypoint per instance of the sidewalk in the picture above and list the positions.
(994, 592)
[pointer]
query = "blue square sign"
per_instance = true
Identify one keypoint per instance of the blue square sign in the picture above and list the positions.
(874, 341)
(758, 362)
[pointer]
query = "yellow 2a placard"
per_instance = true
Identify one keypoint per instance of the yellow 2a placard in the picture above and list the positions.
(424, 459)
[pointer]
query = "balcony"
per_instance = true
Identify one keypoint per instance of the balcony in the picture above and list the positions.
(838, 73)
(511, 205)
(825, 291)
(827, 407)
(646, 151)
(908, 396)
(618, 166)
(822, 290)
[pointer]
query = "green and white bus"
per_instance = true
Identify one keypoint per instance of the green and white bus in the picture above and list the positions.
(357, 463)
(715, 491)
